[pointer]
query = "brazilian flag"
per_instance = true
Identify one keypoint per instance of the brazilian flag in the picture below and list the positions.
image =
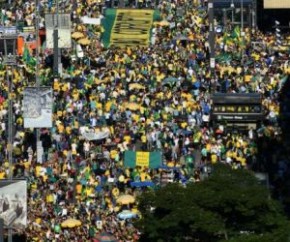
(143, 159)
(233, 37)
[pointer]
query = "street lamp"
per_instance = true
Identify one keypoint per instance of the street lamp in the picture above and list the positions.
(242, 32)
(211, 35)
(8, 37)
(232, 8)
(225, 10)
(1, 230)
(56, 50)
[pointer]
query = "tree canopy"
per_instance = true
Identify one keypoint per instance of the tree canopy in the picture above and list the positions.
(230, 205)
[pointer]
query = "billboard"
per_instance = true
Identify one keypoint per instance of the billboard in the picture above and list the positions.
(37, 105)
(281, 4)
(237, 107)
(13, 203)
(64, 30)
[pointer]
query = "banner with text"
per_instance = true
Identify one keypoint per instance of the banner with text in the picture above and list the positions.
(144, 159)
(128, 27)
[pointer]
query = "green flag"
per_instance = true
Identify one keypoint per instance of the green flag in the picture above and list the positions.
(236, 33)
(144, 159)
(27, 58)
(26, 55)
(224, 57)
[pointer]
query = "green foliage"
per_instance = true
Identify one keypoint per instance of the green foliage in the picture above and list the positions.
(230, 205)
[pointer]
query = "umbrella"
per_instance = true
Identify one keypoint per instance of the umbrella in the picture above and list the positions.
(127, 214)
(105, 237)
(77, 35)
(125, 199)
(71, 223)
(132, 106)
(84, 41)
(136, 86)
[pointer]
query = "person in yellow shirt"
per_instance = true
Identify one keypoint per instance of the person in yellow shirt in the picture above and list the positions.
(64, 87)
(143, 141)
(127, 138)
(56, 85)
(214, 158)
(68, 130)
(79, 188)
(60, 128)
(143, 176)
(49, 198)
(89, 191)
(2, 174)
(37, 170)
(115, 192)
(75, 95)
(19, 121)
(76, 124)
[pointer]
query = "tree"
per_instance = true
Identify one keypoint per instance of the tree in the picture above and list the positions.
(229, 205)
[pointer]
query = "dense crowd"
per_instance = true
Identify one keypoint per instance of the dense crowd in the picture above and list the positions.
(154, 98)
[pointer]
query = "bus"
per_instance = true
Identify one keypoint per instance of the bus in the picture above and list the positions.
(238, 109)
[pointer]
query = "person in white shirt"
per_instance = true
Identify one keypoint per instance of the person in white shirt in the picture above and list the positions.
(86, 148)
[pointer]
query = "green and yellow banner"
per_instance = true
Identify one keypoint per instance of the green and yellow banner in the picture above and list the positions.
(143, 159)
(128, 27)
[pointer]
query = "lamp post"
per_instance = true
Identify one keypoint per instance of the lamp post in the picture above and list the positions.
(242, 32)
(1, 230)
(225, 17)
(211, 38)
(211, 35)
(56, 50)
(9, 40)
(37, 80)
(254, 14)
(232, 8)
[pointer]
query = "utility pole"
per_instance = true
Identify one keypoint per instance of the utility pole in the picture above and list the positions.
(254, 14)
(211, 34)
(10, 135)
(10, 120)
(122, 4)
(211, 38)
(225, 17)
(10, 35)
(242, 33)
(1, 230)
(232, 7)
(56, 54)
(37, 80)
